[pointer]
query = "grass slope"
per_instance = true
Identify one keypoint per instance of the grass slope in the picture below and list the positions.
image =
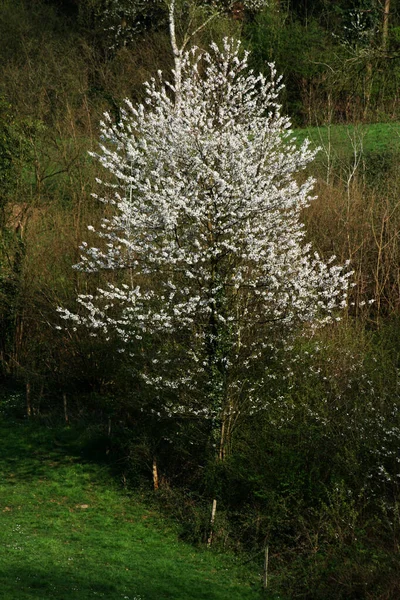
(372, 138)
(68, 532)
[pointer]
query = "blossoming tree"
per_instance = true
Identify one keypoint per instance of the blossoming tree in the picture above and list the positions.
(210, 269)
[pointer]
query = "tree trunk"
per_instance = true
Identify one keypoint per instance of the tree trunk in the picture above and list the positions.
(385, 24)
(219, 458)
(177, 52)
(40, 399)
(367, 89)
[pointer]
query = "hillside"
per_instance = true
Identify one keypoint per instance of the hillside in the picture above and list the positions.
(210, 340)
(69, 531)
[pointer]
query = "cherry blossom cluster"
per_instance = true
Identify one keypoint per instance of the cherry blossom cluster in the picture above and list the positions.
(209, 268)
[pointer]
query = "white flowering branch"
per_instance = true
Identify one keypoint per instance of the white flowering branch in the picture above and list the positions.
(206, 245)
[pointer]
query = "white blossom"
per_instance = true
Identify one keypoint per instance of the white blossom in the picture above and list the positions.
(206, 245)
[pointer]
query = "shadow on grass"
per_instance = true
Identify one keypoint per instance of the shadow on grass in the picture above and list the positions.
(29, 583)
(64, 539)
(25, 583)
(30, 450)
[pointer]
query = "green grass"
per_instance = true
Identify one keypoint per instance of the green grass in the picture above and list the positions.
(377, 138)
(68, 531)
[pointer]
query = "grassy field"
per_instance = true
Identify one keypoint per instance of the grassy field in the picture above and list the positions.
(372, 138)
(68, 531)
(62, 160)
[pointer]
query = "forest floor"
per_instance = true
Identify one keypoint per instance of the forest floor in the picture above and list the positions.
(69, 531)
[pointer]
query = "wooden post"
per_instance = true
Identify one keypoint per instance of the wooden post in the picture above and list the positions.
(155, 474)
(212, 520)
(28, 400)
(265, 574)
(40, 399)
(65, 408)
